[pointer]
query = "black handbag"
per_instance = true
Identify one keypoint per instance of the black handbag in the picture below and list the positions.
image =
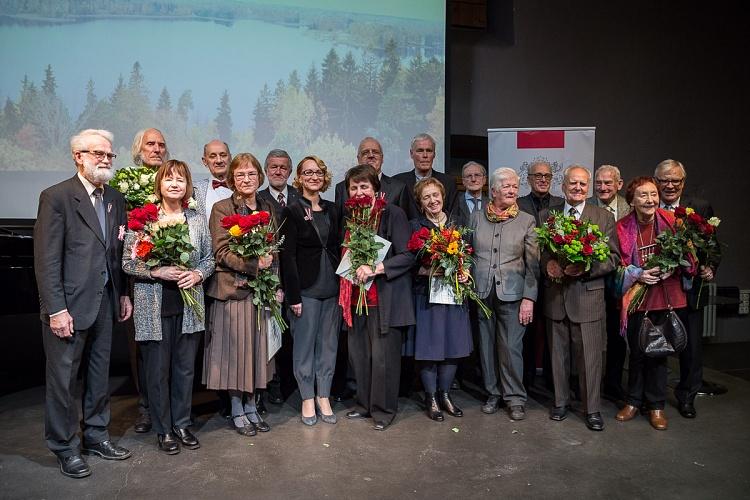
(666, 337)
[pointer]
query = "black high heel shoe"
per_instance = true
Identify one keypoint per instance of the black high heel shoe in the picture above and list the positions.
(447, 404)
(433, 410)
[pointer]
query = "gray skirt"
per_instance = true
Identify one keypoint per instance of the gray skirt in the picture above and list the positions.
(236, 351)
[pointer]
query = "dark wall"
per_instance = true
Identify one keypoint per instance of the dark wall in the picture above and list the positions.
(658, 80)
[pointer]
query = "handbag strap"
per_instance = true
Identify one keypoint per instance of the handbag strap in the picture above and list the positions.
(666, 298)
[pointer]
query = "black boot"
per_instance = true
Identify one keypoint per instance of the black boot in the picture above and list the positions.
(433, 410)
(447, 404)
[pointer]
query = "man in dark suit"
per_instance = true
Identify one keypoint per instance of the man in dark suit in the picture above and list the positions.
(278, 168)
(574, 305)
(538, 200)
(474, 177)
(607, 184)
(82, 289)
(670, 177)
(422, 153)
(369, 152)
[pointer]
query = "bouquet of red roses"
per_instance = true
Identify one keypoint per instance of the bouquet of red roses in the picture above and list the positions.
(361, 229)
(254, 235)
(163, 241)
(572, 241)
(446, 250)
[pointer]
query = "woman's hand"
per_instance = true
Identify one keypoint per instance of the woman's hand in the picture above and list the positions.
(574, 270)
(650, 276)
(167, 273)
(188, 278)
(365, 272)
(265, 261)
(296, 309)
(463, 277)
(423, 271)
(554, 270)
(526, 312)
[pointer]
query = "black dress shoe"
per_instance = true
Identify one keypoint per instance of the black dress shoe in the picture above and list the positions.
(447, 404)
(143, 423)
(380, 425)
(517, 412)
(558, 413)
(74, 466)
(258, 422)
(594, 421)
(248, 429)
(687, 410)
(357, 414)
(107, 450)
(433, 410)
(491, 405)
(187, 438)
(259, 404)
(168, 443)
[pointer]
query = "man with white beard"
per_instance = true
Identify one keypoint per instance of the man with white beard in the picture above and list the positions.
(82, 289)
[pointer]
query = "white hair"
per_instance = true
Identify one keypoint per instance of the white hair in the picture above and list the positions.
(475, 163)
(502, 174)
(422, 137)
(81, 139)
(611, 169)
(666, 164)
(575, 166)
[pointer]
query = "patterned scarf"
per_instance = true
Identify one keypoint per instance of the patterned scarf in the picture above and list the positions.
(495, 216)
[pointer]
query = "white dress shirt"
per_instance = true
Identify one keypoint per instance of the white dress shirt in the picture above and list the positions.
(214, 195)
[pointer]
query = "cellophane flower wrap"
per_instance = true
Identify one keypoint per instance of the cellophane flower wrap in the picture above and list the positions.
(361, 228)
(692, 242)
(252, 236)
(163, 241)
(448, 256)
(136, 184)
(572, 241)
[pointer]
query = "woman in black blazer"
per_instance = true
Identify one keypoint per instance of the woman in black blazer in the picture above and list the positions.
(375, 338)
(309, 258)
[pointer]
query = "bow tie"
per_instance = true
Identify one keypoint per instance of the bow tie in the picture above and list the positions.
(217, 184)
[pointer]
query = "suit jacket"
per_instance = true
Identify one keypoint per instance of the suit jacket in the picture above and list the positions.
(506, 257)
(462, 207)
(581, 299)
(704, 209)
(225, 284)
(623, 207)
(300, 253)
(72, 257)
(147, 292)
(412, 207)
(292, 196)
(526, 204)
(395, 193)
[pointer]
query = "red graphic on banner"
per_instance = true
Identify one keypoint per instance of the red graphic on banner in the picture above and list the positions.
(540, 139)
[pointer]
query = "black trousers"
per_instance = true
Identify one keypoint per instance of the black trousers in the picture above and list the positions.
(64, 357)
(691, 359)
(647, 377)
(617, 350)
(376, 359)
(170, 366)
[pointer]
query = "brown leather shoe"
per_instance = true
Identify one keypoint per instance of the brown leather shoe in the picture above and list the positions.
(628, 412)
(658, 420)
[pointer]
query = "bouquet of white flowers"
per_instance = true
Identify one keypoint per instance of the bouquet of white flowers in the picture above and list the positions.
(136, 184)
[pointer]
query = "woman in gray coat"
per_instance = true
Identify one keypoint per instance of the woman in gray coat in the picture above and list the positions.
(166, 331)
(506, 274)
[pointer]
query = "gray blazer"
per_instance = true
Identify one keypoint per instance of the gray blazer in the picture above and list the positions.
(506, 255)
(623, 208)
(147, 291)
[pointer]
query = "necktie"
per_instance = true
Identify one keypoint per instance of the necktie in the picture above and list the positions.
(217, 184)
(475, 201)
(573, 212)
(612, 209)
(99, 208)
(280, 198)
(669, 207)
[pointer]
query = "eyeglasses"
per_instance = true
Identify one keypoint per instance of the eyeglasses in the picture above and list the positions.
(368, 152)
(674, 182)
(100, 155)
(473, 176)
(316, 173)
(539, 177)
(245, 175)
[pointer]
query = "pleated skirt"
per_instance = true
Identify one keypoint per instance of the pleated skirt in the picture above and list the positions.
(236, 350)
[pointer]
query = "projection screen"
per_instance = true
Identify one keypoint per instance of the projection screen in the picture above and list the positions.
(307, 76)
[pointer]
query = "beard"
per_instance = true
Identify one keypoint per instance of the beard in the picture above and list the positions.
(97, 175)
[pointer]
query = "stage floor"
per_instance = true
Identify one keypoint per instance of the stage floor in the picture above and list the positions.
(477, 456)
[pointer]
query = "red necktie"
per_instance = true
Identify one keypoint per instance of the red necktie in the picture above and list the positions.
(216, 184)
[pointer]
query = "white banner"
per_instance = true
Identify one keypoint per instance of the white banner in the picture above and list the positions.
(561, 147)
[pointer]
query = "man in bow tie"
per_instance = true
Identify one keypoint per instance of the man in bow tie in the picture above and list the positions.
(216, 158)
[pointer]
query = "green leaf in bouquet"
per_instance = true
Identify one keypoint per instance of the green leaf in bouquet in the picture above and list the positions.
(184, 257)
(186, 238)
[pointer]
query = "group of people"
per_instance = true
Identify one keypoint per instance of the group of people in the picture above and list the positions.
(523, 287)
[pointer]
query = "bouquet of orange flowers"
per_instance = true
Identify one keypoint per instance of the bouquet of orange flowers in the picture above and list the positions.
(254, 235)
(445, 250)
(163, 242)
